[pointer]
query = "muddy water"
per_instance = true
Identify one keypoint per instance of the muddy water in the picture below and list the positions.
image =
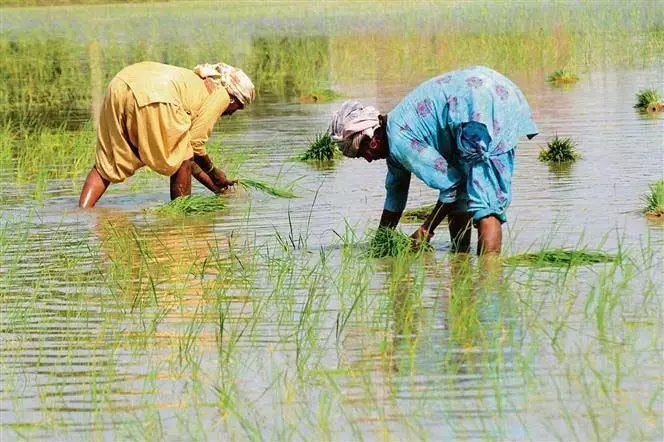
(90, 349)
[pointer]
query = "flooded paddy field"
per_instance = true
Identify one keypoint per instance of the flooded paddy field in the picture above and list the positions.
(269, 320)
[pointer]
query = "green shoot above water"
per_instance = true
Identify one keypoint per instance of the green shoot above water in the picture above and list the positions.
(192, 205)
(323, 148)
(560, 150)
(654, 200)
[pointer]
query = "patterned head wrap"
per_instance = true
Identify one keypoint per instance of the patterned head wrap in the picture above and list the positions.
(351, 123)
(233, 79)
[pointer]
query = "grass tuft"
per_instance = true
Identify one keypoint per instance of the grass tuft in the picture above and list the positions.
(560, 150)
(648, 100)
(280, 192)
(654, 200)
(323, 148)
(563, 76)
(417, 214)
(192, 205)
(560, 257)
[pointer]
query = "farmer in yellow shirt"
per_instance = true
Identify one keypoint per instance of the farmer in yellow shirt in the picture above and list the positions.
(161, 116)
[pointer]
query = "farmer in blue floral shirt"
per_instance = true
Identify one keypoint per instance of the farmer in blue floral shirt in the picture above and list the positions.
(457, 133)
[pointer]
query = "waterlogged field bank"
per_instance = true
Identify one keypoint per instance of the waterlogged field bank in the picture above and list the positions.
(268, 319)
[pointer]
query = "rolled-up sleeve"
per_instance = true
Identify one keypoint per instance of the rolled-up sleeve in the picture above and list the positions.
(397, 183)
(203, 123)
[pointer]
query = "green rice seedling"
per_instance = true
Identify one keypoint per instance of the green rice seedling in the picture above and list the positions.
(648, 100)
(391, 242)
(417, 214)
(654, 200)
(560, 150)
(323, 148)
(562, 77)
(560, 257)
(192, 205)
(280, 192)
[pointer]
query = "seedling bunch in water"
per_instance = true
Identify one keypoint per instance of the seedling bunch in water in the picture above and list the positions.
(323, 148)
(649, 100)
(280, 192)
(654, 200)
(563, 76)
(417, 214)
(192, 205)
(561, 257)
(319, 96)
(392, 242)
(560, 150)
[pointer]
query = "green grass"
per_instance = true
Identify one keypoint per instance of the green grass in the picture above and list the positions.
(417, 214)
(560, 150)
(192, 205)
(322, 148)
(281, 192)
(648, 100)
(654, 200)
(562, 76)
(561, 257)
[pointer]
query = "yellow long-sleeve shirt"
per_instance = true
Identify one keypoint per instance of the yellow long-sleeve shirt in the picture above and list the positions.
(155, 115)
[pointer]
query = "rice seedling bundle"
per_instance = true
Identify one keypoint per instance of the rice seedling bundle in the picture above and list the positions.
(648, 100)
(560, 150)
(417, 214)
(323, 148)
(392, 242)
(654, 200)
(560, 257)
(563, 76)
(192, 205)
(280, 192)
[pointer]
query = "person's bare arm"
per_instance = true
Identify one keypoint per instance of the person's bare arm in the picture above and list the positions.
(425, 232)
(389, 219)
(210, 174)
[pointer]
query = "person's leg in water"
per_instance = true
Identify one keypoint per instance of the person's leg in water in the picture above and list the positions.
(94, 187)
(490, 235)
(181, 180)
(460, 226)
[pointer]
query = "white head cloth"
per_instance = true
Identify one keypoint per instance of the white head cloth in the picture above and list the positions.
(236, 82)
(351, 123)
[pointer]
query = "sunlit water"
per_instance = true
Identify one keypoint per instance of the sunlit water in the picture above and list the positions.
(85, 356)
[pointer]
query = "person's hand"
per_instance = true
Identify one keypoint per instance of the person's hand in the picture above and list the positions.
(220, 180)
(420, 238)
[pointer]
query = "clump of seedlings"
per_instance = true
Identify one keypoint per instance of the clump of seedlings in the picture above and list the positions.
(654, 200)
(192, 205)
(392, 242)
(562, 77)
(561, 257)
(560, 150)
(323, 148)
(280, 192)
(417, 214)
(649, 100)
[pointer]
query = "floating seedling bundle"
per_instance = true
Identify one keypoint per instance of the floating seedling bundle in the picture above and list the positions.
(649, 100)
(417, 214)
(323, 148)
(560, 257)
(192, 205)
(654, 200)
(280, 192)
(560, 150)
(562, 77)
